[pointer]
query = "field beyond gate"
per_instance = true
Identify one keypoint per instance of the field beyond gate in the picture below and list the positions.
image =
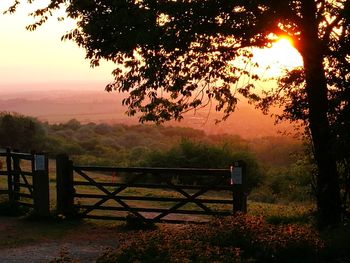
(169, 195)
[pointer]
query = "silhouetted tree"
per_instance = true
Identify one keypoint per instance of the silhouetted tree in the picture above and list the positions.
(174, 56)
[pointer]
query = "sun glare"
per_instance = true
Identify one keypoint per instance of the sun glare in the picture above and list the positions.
(279, 57)
(286, 54)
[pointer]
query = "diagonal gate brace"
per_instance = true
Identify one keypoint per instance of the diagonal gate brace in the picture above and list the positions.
(109, 195)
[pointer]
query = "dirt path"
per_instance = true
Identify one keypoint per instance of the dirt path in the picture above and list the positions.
(36, 242)
(44, 252)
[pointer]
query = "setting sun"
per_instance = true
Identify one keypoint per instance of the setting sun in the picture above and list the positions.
(279, 57)
(286, 54)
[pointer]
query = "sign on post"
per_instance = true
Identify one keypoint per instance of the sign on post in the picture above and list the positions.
(236, 175)
(238, 171)
(39, 162)
(41, 193)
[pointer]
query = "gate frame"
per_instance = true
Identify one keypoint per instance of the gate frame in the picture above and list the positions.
(38, 190)
(66, 193)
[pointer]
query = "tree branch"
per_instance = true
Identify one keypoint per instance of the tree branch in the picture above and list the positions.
(330, 28)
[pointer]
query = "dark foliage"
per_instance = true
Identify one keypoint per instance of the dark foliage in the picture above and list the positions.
(191, 154)
(234, 239)
(21, 132)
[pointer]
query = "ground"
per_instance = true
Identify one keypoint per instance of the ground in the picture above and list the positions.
(28, 241)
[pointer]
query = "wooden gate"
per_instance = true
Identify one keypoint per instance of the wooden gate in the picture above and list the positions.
(150, 194)
(3, 175)
(25, 181)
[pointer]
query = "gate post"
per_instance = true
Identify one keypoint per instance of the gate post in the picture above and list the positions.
(9, 175)
(238, 180)
(41, 194)
(65, 188)
(16, 176)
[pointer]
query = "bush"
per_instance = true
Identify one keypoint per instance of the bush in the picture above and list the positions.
(238, 238)
(191, 154)
(21, 132)
(287, 184)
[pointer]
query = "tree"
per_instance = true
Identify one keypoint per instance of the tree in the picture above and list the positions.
(21, 133)
(174, 56)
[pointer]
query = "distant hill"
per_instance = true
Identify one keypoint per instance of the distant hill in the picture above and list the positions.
(88, 105)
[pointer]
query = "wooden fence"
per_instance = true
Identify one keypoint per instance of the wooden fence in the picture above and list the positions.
(27, 181)
(3, 173)
(150, 194)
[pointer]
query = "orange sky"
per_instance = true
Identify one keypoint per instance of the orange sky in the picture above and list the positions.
(41, 57)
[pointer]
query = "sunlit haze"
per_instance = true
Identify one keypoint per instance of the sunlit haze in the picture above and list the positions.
(39, 60)
(40, 56)
(281, 56)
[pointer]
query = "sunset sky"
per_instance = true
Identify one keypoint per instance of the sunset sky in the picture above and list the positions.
(41, 57)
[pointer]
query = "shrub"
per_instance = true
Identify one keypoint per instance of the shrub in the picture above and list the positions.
(191, 154)
(238, 238)
(21, 132)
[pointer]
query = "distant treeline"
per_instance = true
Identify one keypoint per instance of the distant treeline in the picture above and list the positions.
(278, 166)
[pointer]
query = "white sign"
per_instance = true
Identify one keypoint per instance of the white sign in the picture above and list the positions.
(236, 175)
(39, 162)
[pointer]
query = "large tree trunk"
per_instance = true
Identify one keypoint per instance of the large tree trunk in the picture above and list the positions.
(328, 192)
